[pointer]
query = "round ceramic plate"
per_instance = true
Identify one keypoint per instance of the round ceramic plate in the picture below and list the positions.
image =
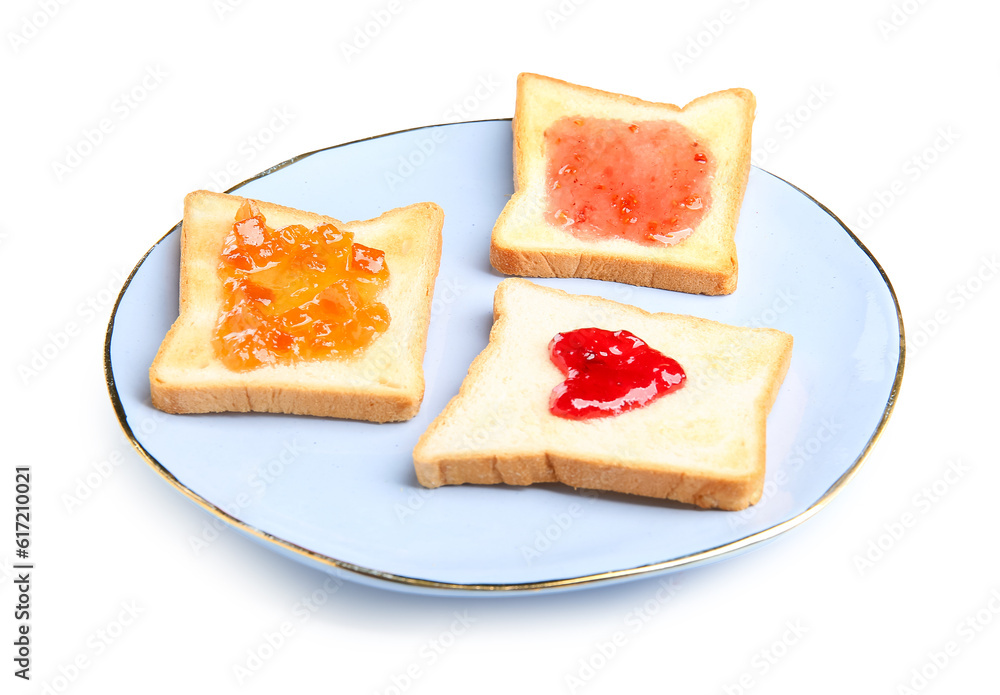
(342, 495)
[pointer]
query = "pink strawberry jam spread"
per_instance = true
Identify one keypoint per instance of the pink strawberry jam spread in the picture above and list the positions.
(647, 181)
(608, 373)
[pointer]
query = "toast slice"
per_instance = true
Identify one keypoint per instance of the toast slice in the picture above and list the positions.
(383, 383)
(703, 444)
(528, 241)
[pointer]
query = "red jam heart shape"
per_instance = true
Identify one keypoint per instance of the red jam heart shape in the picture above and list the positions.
(608, 373)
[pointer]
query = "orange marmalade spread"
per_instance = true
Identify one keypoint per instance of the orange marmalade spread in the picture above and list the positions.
(296, 293)
(648, 182)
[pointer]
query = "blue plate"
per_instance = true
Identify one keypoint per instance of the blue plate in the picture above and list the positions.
(342, 495)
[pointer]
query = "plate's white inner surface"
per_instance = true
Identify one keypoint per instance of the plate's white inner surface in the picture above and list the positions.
(346, 490)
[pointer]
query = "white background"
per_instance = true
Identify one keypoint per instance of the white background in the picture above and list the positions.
(850, 93)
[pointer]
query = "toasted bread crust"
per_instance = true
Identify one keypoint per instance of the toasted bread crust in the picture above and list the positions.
(708, 492)
(566, 263)
(385, 383)
(524, 243)
(734, 375)
(270, 398)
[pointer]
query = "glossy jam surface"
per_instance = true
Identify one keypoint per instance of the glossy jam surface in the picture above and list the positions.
(296, 293)
(608, 373)
(648, 181)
